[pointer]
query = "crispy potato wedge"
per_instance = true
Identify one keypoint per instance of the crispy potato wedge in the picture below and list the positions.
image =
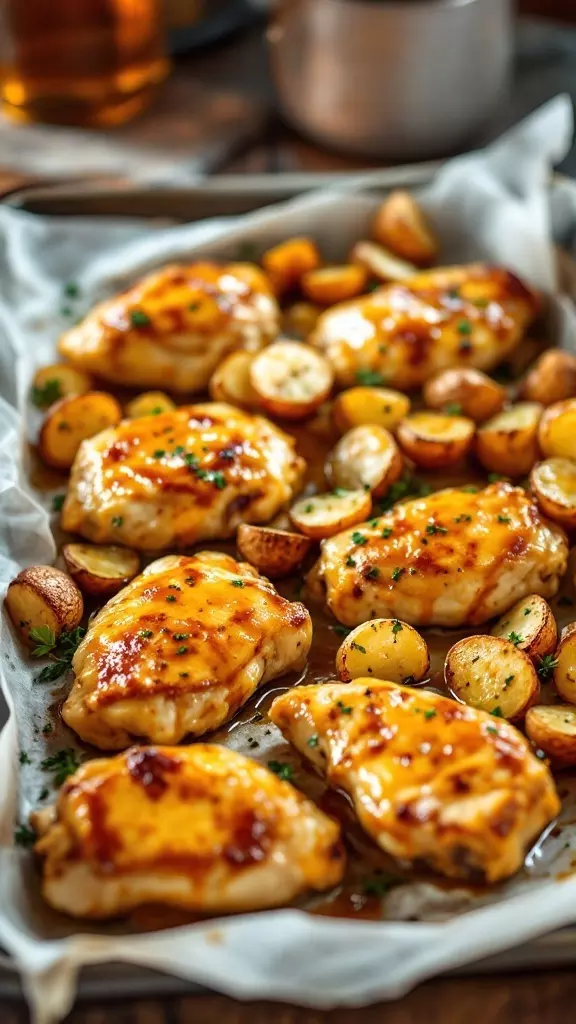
(400, 224)
(531, 626)
(381, 263)
(551, 379)
(385, 649)
(366, 457)
(490, 673)
(557, 430)
(291, 379)
(323, 515)
(433, 440)
(231, 382)
(329, 285)
(508, 442)
(552, 728)
(275, 553)
(286, 263)
(71, 421)
(554, 484)
(565, 664)
(357, 406)
(149, 403)
(42, 596)
(58, 381)
(101, 570)
(464, 391)
(300, 319)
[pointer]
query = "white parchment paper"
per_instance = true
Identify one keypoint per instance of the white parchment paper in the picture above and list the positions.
(496, 205)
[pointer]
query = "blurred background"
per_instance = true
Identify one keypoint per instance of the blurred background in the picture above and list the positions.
(165, 91)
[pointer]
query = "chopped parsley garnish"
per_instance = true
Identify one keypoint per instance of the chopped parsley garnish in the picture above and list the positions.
(46, 395)
(24, 836)
(193, 306)
(191, 460)
(138, 318)
(309, 507)
(117, 520)
(397, 573)
(526, 611)
(397, 627)
(453, 409)
(378, 886)
(503, 519)
(387, 532)
(281, 769)
(57, 502)
(408, 487)
(494, 478)
(372, 573)
(492, 730)
(213, 476)
(497, 712)
(359, 538)
(430, 714)
(433, 528)
(237, 583)
(546, 667)
(470, 489)
(371, 378)
(515, 638)
(464, 327)
(66, 311)
(182, 650)
(340, 492)
(313, 741)
(159, 453)
(63, 425)
(23, 758)
(508, 680)
(71, 290)
(341, 630)
(350, 561)
(346, 710)
(170, 598)
(44, 792)
(463, 519)
(146, 633)
(358, 647)
(179, 636)
(61, 651)
(62, 764)
(47, 729)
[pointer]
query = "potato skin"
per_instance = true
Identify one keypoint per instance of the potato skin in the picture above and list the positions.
(231, 382)
(565, 669)
(276, 372)
(43, 596)
(78, 556)
(551, 379)
(324, 515)
(275, 553)
(70, 380)
(149, 403)
(360, 405)
(552, 481)
(511, 452)
(537, 628)
(351, 462)
(476, 395)
(70, 421)
(286, 263)
(425, 438)
(557, 430)
(552, 728)
(384, 649)
(381, 263)
(490, 673)
(329, 285)
(401, 225)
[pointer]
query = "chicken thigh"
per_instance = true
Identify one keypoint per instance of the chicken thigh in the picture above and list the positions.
(432, 781)
(180, 649)
(454, 558)
(404, 332)
(172, 328)
(181, 477)
(201, 828)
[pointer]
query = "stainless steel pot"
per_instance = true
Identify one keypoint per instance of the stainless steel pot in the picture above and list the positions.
(402, 80)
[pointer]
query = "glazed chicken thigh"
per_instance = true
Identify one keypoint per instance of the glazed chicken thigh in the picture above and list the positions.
(432, 781)
(180, 649)
(180, 477)
(454, 558)
(453, 316)
(201, 828)
(172, 328)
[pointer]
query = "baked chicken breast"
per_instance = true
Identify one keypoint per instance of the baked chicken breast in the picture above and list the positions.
(454, 558)
(172, 328)
(453, 316)
(181, 477)
(201, 828)
(180, 649)
(432, 781)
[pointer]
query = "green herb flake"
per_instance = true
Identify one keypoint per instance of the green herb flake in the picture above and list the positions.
(430, 714)
(345, 709)
(463, 519)
(359, 538)
(180, 636)
(309, 507)
(117, 520)
(508, 680)
(515, 638)
(159, 453)
(492, 730)
(526, 611)
(464, 327)
(313, 741)
(138, 318)
(453, 409)
(372, 573)
(146, 633)
(45, 640)
(71, 290)
(358, 647)
(237, 583)
(470, 489)
(546, 667)
(397, 627)
(182, 650)
(44, 792)
(378, 886)
(62, 764)
(370, 378)
(433, 528)
(497, 712)
(47, 729)
(341, 630)
(281, 769)
(387, 532)
(494, 478)
(170, 598)
(350, 561)
(24, 758)
(24, 836)
(57, 502)
(46, 395)
(503, 519)
(397, 573)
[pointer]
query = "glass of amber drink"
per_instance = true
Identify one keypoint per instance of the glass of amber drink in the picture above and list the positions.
(81, 62)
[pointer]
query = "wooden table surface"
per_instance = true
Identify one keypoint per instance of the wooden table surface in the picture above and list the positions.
(531, 998)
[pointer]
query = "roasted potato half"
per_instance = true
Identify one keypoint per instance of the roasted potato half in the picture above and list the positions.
(557, 430)
(552, 728)
(286, 263)
(42, 597)
(401, 225)
(101, 570)
(530, 626)
(291, 379)
(357, 406)
(492, 674)
(508, 442)
(386, 649)
(433, 440)
(564, 664)
(329, 285)
(554, 484)
(71, 421)
(275, 553)
(300, 319)
(464, 391)
(551, 379)
(231, 382)
(381, 263)
(366, 457)
(323, 515)
(58, 381)
(149, 403)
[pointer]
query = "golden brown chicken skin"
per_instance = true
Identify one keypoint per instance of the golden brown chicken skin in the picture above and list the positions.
(454, 316)
(432, 781)
(172, 328)
(201, 828)
(180, 649)
(181, 477)
(454, 558)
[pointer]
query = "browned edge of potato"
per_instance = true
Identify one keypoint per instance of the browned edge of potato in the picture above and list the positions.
(42, 596)
(101, 570)
(275, 553)
(492, 674)
(385, 649)
(365, 457)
